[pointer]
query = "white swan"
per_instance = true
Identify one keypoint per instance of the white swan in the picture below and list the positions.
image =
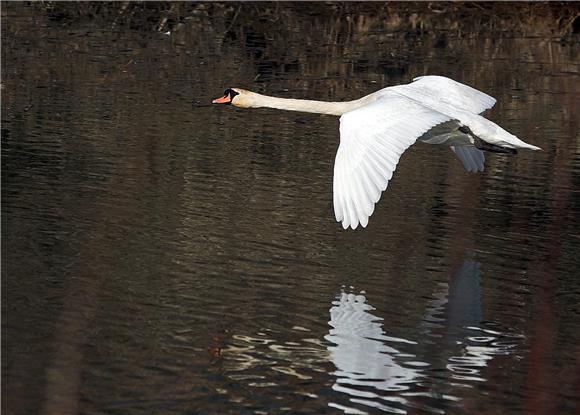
(375, 131)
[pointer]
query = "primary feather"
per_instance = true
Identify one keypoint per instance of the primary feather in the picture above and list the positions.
(372, 139)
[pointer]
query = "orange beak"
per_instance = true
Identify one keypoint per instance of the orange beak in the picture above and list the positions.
(223, 100)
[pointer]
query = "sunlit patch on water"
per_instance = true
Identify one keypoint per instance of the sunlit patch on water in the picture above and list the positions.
(298, 358)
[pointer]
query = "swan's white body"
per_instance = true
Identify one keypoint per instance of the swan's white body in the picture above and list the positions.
(376, 129)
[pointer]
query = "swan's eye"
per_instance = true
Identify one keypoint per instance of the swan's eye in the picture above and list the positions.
(230, 93)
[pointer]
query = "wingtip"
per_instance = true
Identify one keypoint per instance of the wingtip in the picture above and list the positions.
(364, 221)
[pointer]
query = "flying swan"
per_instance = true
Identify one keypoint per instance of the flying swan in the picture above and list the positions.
(376, 129)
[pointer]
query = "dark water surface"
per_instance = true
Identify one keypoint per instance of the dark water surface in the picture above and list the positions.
(160, 258)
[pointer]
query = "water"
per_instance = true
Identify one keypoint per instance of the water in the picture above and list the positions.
(160, 257)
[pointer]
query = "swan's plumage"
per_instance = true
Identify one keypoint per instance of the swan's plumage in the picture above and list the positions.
(461, 103)
(375, 131)
(434, 89)
(472, 158)
(372, 139)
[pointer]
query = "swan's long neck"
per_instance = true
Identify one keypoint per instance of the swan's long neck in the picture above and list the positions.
(304, 105)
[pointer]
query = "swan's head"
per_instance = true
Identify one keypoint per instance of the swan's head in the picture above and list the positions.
(238, 97)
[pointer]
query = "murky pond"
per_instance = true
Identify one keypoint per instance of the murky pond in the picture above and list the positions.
(164, 257)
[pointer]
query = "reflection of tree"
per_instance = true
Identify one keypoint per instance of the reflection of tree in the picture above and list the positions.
(543, 393)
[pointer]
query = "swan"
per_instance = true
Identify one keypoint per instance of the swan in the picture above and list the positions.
(376, 129)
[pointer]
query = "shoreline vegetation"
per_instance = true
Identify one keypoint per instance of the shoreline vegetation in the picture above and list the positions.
(560, 19)
(317, 49)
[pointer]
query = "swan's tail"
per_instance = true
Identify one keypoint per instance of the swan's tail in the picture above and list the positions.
(494, 137)
(509, 140)
(516, 143)
(509, 147)
(523, 144)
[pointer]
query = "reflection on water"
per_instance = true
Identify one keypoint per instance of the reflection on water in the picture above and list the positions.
(376, 370)
(368, 362)
(365, 360)
(456, 304)
(453, 318)
(246, 354)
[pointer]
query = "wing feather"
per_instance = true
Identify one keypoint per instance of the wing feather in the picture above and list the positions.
(442, 89)
(472, 158)
(372, 140)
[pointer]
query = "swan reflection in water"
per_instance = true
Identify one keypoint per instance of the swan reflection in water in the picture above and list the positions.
(365, 364)
(387, 373)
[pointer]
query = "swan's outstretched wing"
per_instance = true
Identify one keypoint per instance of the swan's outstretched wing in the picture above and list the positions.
(372, 139)
(436, 89)
(461, 103)
(472, 158)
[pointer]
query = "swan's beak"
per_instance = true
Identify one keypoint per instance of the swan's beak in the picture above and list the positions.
(226, 99)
